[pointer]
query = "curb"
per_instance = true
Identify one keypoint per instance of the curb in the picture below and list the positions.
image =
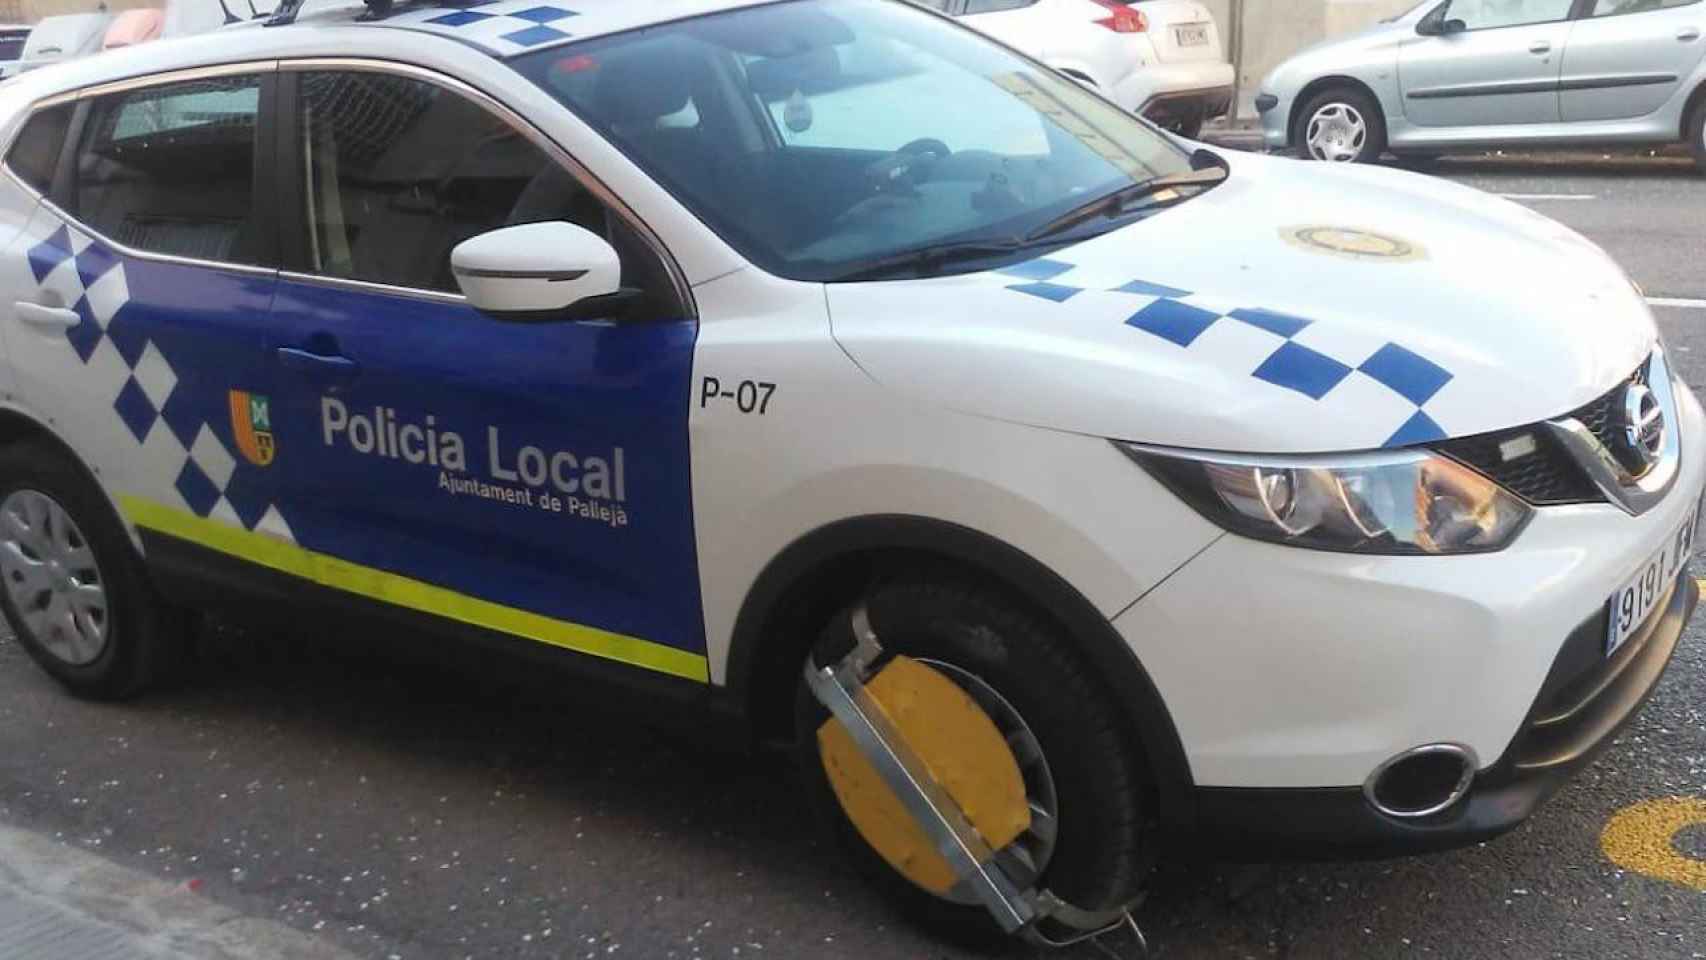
(59, 901)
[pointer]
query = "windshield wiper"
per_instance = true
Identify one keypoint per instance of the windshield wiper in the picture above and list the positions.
(1120, 201)
(926, 260)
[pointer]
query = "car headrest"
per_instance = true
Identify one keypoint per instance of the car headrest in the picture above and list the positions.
(636, 90)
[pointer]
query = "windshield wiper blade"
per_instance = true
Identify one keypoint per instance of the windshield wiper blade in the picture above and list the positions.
(928, 259)
(1120, 201)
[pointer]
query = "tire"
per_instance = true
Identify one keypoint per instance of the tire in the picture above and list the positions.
(138, 629)
(1697, 135)
(1362, 114)
(1100, 856)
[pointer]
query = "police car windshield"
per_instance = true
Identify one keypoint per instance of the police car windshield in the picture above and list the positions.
(820, 137)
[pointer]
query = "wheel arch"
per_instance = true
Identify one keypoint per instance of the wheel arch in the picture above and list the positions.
(1315, 87)
(20, 426)
(827, 569)
(1076, 72)
(1696, 101)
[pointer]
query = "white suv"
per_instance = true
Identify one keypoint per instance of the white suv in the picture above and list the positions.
(822, 372)
(1160, 58)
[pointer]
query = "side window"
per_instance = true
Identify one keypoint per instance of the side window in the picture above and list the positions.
(995, 6)
(171, 169)
(35, 154)
(399, 171)
(1616, 8)
(1492, 14)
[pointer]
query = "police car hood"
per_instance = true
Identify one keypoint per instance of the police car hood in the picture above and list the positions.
(1294, 308)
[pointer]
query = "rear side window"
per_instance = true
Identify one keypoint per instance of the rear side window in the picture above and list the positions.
(171, 169)
(35, 154)
(1618, 8)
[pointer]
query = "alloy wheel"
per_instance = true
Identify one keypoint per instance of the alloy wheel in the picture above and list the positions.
(1337, 133)
(52, 579)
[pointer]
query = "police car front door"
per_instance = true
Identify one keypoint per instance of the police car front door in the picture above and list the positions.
(527, 480)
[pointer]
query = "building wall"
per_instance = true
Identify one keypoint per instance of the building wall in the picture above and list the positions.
(32, 11)
(1273, 30)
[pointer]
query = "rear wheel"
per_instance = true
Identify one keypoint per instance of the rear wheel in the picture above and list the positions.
(1341, 125)
(1084, 780)
(71, 585)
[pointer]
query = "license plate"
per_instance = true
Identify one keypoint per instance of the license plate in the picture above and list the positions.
(1194, 36)
(1631, 606)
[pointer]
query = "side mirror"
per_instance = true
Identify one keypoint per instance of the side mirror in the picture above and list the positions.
(1435, 23)
(540, 271)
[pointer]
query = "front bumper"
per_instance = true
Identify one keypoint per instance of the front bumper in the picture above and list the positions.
(1275, 113)
(1583, 704)
(1291, 675)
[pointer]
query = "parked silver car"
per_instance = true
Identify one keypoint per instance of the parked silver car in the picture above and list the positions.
(1478, 73)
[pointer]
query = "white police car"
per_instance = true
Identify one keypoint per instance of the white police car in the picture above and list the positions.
(1168, 494)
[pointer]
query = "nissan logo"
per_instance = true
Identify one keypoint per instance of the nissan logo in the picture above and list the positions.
(1643, 433)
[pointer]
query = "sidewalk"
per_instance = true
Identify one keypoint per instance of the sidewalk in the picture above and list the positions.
(60, 903)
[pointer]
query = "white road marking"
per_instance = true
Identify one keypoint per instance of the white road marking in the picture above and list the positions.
(1676, 304)
(1549, 196)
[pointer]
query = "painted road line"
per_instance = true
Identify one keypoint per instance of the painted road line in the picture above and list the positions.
(1676, 303)
(1548, 196)
(1641, 838)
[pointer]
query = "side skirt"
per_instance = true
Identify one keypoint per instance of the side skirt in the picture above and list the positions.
(203, 579)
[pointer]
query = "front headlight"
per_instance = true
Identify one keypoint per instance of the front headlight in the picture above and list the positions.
(1408, 502)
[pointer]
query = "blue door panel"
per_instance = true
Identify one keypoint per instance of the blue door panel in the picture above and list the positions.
(581, 511)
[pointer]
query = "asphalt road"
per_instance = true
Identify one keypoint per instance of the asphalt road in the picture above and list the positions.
(408, 812)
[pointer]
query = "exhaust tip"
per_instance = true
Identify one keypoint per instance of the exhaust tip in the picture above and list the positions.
(1421, 781)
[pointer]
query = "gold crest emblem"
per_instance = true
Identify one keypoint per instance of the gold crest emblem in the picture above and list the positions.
(251, 424)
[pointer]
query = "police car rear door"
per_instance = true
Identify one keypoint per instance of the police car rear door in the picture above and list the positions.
(141, 290)
(513, 480)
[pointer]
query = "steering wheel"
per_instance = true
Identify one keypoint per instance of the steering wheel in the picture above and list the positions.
(926, 146)
(907, 167)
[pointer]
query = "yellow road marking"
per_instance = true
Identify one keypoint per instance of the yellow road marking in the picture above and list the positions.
(1642, 838)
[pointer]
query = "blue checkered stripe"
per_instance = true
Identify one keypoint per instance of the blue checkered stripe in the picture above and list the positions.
(1172, 315)
(121, 362)
(506, 27)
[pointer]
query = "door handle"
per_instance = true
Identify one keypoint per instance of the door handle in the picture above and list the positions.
(46, 318)
(318, 365)
(1688, 34)
(1540, 46)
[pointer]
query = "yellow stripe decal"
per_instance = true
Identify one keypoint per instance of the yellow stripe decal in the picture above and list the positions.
(413, 594)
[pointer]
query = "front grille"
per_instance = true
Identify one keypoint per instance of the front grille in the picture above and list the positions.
(1588, 695)
(1546, 475)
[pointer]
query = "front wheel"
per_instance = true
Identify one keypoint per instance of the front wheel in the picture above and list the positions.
(1083, 778)
(1341, 125)
(71, 585)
